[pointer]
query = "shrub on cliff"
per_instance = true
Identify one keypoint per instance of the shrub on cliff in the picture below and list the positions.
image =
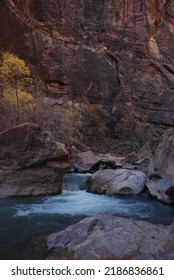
(81, 125)
(69, 129)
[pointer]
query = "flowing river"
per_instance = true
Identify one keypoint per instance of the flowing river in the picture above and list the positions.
(23, 219)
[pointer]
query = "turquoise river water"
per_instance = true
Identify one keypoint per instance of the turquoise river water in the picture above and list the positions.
(23, 219)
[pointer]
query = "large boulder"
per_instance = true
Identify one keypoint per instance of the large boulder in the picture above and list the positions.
(120, 181)
(109, 237)
(161, 169)
(89, 161)
(31, 161)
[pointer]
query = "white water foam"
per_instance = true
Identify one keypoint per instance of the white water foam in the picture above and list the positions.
(83, 203)
(75, 201)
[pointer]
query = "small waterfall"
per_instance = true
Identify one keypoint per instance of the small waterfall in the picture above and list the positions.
(75, 181)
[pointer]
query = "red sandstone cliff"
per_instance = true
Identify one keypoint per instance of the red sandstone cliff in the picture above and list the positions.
(117, 53)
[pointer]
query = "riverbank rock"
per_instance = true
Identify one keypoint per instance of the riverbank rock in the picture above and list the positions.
(160, 175)
(108, 237)
(89, 161)
(120, 181)
(31, 161)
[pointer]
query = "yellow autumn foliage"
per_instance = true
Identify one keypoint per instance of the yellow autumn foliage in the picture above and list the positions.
(14, 69)
(15, 78)
(26, 100)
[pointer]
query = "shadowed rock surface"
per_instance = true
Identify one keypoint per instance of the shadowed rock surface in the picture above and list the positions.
(108, 237)
(161, 169)
(116, 53)
(31, 161)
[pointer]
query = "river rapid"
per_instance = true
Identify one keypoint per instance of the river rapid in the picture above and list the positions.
(23, 219)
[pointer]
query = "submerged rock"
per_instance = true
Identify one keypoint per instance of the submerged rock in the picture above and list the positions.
(31, 161)
(120, 181)
(109, 237)
(161, 169)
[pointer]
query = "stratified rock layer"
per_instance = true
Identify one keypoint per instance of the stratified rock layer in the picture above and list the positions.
(31, 162)
(108, 237)
(117, 53)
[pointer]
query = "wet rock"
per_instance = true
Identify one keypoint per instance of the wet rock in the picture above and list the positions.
(120, 181)
(160, 175)
(108, 237)
(31, 161)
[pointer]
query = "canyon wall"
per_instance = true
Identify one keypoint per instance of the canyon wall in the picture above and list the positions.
(116, 53)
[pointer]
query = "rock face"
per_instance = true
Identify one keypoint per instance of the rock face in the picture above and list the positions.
(116, 53)
(161, 169)
(120, 181)
(31, 162)
(108, 237)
